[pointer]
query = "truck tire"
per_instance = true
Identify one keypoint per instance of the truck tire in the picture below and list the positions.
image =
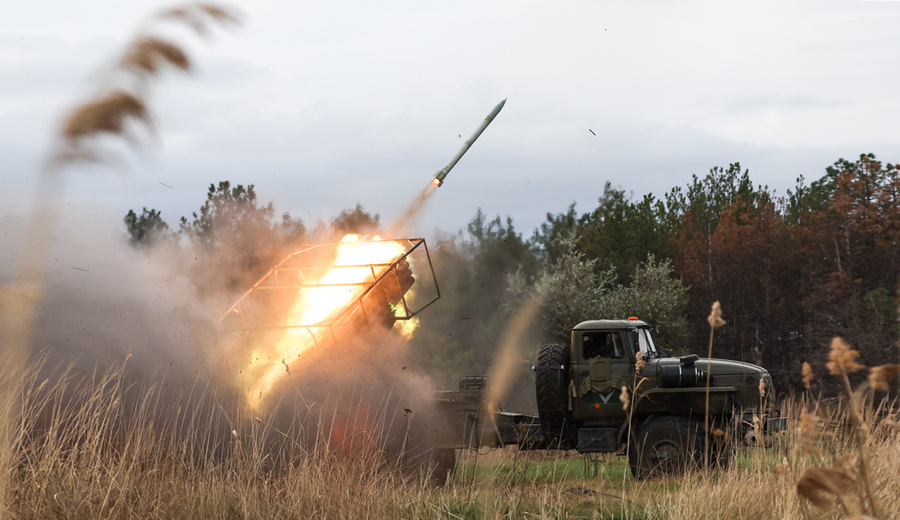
(721, 452)
(551, 388)
(664, 446)
(443, 461)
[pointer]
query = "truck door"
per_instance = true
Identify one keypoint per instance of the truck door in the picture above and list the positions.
(601, 366)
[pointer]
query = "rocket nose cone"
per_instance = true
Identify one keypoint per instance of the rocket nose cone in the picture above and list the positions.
(497, 108)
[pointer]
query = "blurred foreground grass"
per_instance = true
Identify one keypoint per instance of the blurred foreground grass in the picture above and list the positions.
(93, 450)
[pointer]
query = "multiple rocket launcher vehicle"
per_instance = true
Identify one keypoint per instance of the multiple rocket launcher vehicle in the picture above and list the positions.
(682, 410)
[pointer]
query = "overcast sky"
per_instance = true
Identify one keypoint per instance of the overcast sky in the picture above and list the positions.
(325, 105)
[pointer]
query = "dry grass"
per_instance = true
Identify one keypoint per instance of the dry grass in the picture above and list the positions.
(115, 110)
(98, 447)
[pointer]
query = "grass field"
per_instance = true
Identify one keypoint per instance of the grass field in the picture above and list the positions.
(91, 450)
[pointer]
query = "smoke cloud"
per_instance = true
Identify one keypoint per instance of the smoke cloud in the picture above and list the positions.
(107, 306)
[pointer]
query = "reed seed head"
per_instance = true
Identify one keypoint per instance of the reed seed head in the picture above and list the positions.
(625, 398)
(199, 15)
(880, 376)
(148, 54)
(639, 365)
(808, 375)
(821, 486)
(807, 432)
(218, 13)
(842, 357)
(782, 468)
(715, 316)
(809, 422)
(108, 113)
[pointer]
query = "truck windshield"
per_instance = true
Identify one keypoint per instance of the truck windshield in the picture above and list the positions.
(645, 342)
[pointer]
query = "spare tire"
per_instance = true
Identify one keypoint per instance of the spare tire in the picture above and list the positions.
(551, 388)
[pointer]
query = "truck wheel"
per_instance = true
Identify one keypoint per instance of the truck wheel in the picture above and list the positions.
(551, 387)
(721, 453)
(757, 440)
(664, 446)
(443, 461)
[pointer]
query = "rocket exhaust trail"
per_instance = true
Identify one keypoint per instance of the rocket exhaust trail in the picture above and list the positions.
(412, 210)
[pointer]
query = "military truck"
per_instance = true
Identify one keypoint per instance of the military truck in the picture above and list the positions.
(679, 411)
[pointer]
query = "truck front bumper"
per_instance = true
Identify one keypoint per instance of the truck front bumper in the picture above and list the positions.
(769, 423)
(775, 424)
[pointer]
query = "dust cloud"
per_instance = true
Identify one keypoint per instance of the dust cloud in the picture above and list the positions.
(108, 307)
(103, 300)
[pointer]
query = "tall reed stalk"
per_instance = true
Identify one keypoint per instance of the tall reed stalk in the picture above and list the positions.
(715, 321)
(113, 111)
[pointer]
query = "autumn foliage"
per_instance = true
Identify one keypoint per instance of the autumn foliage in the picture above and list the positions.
(791, 272)
(794, 272)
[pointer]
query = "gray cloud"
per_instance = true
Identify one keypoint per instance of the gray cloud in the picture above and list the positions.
(328, 106)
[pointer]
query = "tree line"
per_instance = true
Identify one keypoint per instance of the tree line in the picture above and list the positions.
(790, 271)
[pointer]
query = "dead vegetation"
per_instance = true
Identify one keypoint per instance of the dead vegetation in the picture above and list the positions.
(117, 110)
(107, 446)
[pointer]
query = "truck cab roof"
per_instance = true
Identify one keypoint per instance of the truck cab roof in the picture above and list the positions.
(611, 325)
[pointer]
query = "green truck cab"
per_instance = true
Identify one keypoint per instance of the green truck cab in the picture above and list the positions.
(614, 390)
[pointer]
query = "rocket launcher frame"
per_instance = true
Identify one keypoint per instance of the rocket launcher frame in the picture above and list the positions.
(261, 306)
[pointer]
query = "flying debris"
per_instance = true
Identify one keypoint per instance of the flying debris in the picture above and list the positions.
(591, 131)
(440, 175)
